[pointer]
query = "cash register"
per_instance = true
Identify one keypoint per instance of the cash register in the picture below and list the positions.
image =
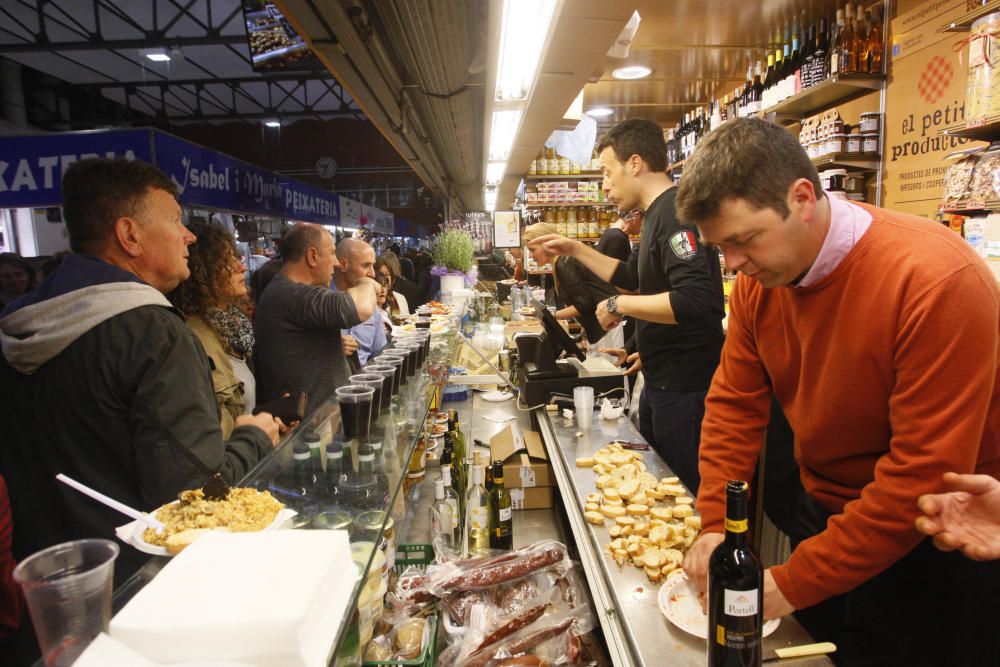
(552, 363)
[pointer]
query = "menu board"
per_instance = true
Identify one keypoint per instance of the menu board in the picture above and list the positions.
(506, 229)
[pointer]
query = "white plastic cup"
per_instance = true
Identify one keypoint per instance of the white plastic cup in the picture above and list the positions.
(583, 406)
(68, 590)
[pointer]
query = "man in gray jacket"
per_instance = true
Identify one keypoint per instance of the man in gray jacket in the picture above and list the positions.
(102, 379)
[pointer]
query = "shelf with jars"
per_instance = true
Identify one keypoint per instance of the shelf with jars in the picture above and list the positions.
(584, 176)
(849, 161)
(584, 223)
(964, 23)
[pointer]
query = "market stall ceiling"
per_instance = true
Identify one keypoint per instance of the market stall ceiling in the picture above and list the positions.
(698, 51)
(102, 44)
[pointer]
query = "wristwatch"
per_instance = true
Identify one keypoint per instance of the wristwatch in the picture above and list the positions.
(613, 305)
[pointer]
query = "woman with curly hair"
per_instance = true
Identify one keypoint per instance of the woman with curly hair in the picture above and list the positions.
(209, 301)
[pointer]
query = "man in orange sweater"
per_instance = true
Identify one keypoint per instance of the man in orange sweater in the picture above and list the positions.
(878, 334)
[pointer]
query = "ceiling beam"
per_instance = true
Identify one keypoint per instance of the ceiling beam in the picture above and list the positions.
(152, 41)
(283, 78)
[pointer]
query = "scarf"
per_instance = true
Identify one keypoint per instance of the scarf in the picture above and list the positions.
(235, 329)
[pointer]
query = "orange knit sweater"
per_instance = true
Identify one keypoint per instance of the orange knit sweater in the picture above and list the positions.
(887, 370)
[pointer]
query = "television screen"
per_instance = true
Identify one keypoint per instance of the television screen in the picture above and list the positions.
(275, 46)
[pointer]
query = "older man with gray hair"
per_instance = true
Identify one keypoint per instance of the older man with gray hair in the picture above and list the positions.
(356, 263)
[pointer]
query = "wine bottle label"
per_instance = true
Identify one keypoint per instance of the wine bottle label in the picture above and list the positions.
(505, 514)
(478, 517)
(740, 603)
(736, 526)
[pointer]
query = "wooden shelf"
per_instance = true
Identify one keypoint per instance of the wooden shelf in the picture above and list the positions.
(563, 177)
(571, 205)
(983, 129)
(965, 207)
(822, 96)
(964, 23)
(851, 162)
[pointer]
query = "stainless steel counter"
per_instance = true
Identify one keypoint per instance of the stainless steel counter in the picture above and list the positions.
(636, 631)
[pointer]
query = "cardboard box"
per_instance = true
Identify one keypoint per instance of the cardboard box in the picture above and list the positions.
(538, 498)
(526, 469)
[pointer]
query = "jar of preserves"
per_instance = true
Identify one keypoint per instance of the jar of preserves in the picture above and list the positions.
(869, 142)
(853, 144)
(870, 122)
(572, 224)
(593, 225)
(560, 218)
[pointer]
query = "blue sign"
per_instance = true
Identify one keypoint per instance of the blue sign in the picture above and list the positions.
(309, 203)
(213, 180)
(31, 167)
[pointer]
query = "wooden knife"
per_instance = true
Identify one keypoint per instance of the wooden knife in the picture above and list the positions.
(799, 651)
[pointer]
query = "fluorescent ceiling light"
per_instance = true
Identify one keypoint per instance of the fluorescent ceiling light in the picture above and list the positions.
(494, 172)
(158, 57)
(525, 25)
(502, 133)
(490, 198)
(632, 72)
(273, 123)
(600, 112)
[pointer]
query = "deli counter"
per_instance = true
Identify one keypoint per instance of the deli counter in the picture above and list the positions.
(628, 626)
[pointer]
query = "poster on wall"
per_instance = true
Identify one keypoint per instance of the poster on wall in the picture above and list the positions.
(926, 94)
(506, 229)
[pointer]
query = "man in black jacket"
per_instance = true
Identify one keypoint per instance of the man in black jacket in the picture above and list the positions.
(679, 307)
(101, 377)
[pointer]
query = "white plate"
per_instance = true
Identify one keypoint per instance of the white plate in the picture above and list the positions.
(679, 603)
(131, 533)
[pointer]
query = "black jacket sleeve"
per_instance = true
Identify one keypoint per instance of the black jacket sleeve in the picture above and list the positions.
(174, 425)
(626, 275)
(695, 281)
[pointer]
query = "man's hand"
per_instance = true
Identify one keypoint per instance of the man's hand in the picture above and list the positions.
(350, 345)
(696, 561)
(966, 517)
(635, 364)
(775, 604)
(557, 245)
(605, 318)
(265, 421)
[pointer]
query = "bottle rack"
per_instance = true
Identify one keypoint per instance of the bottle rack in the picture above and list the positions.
(823, 95)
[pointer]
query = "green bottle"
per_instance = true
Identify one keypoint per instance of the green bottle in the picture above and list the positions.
(501, 520)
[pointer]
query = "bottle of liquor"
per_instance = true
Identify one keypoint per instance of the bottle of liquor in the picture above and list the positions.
(477, 515)
(837, 43)
(860, 41)
(758, 91)
(848, 57)
(786, 71)
(735, 590)
(443, 526)
(791, 84)
(501, 519)
(821, 59)
(717, 113)
(747, 92)
(734, 105)
(875, 41)
(459, 445)
(807, 62)
(768, 83)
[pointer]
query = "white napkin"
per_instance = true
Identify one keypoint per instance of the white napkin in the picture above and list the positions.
(498, 417)
(272, 598)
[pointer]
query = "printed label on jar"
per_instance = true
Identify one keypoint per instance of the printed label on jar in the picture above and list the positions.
(505, 514)
(740, 603)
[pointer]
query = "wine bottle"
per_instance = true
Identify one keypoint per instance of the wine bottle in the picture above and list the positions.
(443, 526)
(501, 520)
(453, 502)
(875, 42)
(477, 515)
(735, 590)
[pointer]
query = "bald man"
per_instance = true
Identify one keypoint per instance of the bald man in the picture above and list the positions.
(356, 263)
(299, 320)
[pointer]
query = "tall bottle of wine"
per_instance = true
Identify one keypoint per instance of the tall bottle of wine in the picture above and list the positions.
(735, 590)
(477, 515)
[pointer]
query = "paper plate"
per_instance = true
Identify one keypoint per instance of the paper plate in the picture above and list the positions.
(131, 533)
(679, 603)
(496, 396)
